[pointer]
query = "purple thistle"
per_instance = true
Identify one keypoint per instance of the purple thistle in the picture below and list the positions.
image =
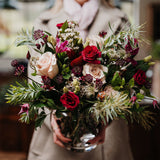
(38, 34)
(77, 70)
(61, 47)
(99, 83)
(19, 70)
(14, 63)
(24, 108)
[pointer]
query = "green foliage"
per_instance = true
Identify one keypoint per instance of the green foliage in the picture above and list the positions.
(40, 119)
(64, 26)
(23, 94)
(25, 38)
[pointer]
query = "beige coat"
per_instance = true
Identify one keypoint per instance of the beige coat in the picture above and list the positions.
(116, 145)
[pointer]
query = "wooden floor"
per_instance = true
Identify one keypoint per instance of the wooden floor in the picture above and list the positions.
(12, 156)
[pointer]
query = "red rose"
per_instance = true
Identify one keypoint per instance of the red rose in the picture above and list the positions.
(69, 100)
(59, 25)
(140, 77)
(77, 62)
(90, 54)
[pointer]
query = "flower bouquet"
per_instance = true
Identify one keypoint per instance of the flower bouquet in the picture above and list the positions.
(86, 85)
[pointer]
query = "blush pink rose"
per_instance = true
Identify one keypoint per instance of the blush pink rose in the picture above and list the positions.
(47, 65)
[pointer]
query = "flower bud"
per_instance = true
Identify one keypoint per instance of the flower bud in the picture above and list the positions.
(86, 44)
(151, 63)
(75, 82)
(65, 89)
(148, 58)
(80, 41)
(77, 88)
(51, 40)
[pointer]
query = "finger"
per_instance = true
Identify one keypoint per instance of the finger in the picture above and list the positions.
(56, 141)
(61, 136)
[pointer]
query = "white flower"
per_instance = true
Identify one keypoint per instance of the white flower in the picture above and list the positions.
(94, 39)
(47, 65)
(95, 70)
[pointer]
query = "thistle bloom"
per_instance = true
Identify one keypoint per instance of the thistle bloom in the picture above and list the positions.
(24, 108)
(38, 34)
(61, 47)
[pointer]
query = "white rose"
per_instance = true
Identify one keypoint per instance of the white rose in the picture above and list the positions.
(47, 65)
(95, 70)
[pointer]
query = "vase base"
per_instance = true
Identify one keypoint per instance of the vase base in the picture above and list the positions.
(83, 146)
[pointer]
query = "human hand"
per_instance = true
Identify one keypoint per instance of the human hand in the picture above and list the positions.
(58, 137)
(100, 138)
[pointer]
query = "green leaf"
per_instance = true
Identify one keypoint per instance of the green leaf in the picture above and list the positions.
(40, 119)
(123, 81)
(64, 26)
(116, 80)
(131, 83)
(140, 96)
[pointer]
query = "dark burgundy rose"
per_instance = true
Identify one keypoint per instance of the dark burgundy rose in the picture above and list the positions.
(14, 63)
(71, 54)
(102, 34)
(77, 62)
(140, 77)
(28, 56)
(59, 25)
(90, 54)
(70, 100)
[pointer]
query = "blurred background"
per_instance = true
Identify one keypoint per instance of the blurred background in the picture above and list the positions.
(17, 14)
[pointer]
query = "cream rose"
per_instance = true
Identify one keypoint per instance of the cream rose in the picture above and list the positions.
(47, 65)
(94, 39)
(95, 70)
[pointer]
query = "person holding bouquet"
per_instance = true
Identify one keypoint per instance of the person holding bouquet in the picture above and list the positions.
(93, 17)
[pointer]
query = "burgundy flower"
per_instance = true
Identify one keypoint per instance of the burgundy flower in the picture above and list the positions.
(14, 63)
(130, 50)
(38, 46)
(77, 62)
(28, 56)
(19, 70)
(134, 52)
(24, 108)
(102, 34)
(59, 79)
(133, 62)
(59, 25)
(155, 104)
(45, 38)
(70, 100)
(99, 83)
(61, 46)
(71, 54)
(140, 77)
(133, 99)
(38, 34)
(46, 80)
(90, 54)
(77, 70)
(88, 78)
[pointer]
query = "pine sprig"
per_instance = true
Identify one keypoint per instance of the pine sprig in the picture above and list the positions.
(22, 94)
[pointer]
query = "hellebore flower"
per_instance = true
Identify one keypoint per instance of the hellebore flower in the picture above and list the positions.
(24, 108)
(61, 47)
(38, 34)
